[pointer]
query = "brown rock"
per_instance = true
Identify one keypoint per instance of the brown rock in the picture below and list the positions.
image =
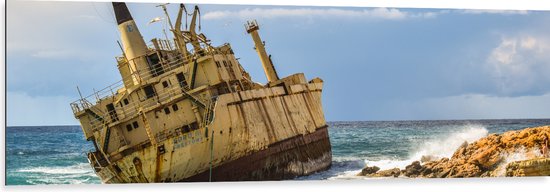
(395, 172)
(483, 157)
(413, 170)
(368, 170)
(532, 167)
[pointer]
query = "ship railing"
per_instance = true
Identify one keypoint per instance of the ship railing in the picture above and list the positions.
(84, 103)
(168, 65)
(165, 45)
(143, 73)
(111, 90)
(131, 110)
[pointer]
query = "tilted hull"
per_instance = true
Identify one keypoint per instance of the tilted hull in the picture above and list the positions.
(196, 115)
(263, 134)
(297, 156)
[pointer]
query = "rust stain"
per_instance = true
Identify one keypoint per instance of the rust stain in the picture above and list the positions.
(275, 162)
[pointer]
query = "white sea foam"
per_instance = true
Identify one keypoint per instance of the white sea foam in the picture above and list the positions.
(446, 146)
(80, 168)
(438, 148)
(74, 174)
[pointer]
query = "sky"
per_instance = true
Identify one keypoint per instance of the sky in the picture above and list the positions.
(377, 63)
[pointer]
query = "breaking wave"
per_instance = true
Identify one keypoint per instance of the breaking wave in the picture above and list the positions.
(439, 148)
(74, 174)
(436, 148)
(346, 168)
(80, 168)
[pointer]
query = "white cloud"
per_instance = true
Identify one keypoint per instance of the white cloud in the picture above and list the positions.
(520, 64)
(493, 11)
(528, 43)
(377, 13)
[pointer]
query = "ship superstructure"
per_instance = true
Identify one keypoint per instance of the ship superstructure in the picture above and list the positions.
(181, 114)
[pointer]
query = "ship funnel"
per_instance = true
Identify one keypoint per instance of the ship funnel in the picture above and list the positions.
(134, 45)
(252, 28)
(121, 12)
(133, 48)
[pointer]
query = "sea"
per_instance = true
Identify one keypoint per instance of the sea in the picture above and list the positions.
(38, 155)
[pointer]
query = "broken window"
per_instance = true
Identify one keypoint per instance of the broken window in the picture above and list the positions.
(111, 110)
(154, 64)
(181, 80)
(149, 91)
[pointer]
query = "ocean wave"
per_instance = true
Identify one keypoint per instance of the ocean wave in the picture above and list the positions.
(435, 148)
(80, 168)
(346, 168)
(446, 146)
(41, 181)
(73, 174)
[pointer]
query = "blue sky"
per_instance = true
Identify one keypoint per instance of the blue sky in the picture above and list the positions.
(377, 63)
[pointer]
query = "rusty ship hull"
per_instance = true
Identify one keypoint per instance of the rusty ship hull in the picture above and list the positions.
(195, 115)
(288, 159)
(246, 143)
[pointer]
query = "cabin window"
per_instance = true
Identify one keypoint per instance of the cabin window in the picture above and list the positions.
(194, 126)
(135, 124)
(126, 102)
(164, 84)
(149, 91)
(128, 127)
(154, 64)
(167, 110)
(111, 110)
(186, 129)
(175, 107)
(181, 80)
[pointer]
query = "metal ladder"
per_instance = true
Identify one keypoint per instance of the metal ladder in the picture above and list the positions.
(148, 129)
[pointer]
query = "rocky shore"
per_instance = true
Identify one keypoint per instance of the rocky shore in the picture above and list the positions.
(513, 153)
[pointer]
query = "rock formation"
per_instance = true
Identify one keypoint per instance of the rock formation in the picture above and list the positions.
(532, 167)
(513, 153)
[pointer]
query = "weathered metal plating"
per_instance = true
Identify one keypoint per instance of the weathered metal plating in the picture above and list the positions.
(181, 114)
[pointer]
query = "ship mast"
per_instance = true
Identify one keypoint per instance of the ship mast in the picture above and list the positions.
(193, 34)
(178, 34)
(252, 28)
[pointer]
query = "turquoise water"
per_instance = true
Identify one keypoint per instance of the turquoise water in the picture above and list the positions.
(47, 155)
(55, 154)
